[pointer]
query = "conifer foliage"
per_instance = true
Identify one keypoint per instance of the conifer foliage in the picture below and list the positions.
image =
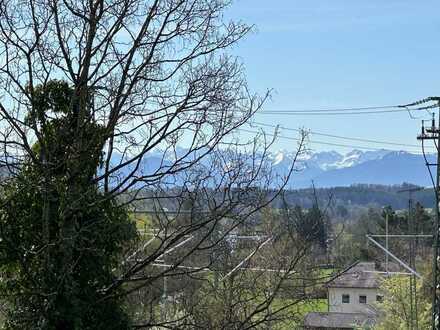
(60, 237)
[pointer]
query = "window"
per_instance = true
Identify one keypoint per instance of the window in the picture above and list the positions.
(345, 298)
(362, 299)
(379, 298)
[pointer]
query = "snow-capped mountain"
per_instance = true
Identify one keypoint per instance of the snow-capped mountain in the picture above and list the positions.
(325, 160)
(331, 160)
(357, 157)
(330, 168)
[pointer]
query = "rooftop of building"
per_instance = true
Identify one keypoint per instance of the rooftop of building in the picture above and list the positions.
(339, 320)
(359, 275)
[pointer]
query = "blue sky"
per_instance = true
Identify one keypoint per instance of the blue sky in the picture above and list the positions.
(332, 54)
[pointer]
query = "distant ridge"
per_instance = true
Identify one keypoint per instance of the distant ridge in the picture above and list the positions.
(332, 169)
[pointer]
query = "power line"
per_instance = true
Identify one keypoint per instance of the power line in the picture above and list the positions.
(327, 113)
(425, 100)
(323, 142)
(348, 111)
(339, 136)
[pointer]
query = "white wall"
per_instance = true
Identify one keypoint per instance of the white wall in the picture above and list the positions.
(336, 305)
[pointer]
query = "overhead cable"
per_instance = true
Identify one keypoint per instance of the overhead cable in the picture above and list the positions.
(338, 136)
(351, 111)
(325, 143)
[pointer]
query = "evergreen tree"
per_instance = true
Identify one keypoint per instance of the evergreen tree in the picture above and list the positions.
(60, 236)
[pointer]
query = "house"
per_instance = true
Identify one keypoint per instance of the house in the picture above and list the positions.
(339, 321)
(352, 296)
(356, 290)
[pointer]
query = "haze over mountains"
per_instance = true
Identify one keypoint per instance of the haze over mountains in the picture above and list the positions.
(332, 169)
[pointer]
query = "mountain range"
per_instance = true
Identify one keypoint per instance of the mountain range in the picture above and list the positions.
(331, 169)
(322, 169)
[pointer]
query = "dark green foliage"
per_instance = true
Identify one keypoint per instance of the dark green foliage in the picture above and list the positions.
(423, 223)
(41, 276)
(311, 225)
(360, 195)
(60, 237)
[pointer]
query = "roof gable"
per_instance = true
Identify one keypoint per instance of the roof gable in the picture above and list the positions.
(358, 275)
(339, 320)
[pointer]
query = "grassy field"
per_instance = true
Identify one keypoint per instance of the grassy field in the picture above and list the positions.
(297, 312)
(143, 221)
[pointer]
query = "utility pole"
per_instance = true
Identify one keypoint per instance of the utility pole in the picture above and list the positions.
(386, 242)
(412, 263)
(433, 133)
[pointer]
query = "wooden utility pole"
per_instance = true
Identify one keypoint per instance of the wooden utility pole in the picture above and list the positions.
(433, 133)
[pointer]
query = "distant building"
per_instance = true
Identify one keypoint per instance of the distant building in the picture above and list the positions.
(356, 290)
(352, 296)
(338, 321)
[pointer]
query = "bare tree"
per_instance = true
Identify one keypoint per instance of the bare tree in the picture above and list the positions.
(249, 280)
(144, 78)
